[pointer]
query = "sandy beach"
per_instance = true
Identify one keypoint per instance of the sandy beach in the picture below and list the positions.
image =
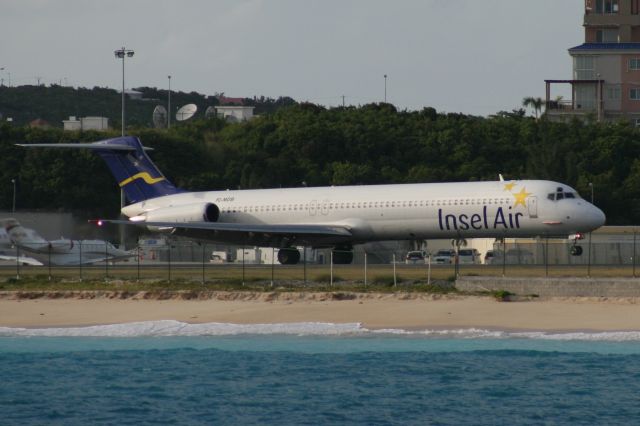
(374, 311)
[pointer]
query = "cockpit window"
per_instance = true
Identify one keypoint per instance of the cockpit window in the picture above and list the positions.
(561, 195)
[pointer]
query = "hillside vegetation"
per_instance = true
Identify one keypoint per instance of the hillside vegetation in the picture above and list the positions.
(304, 144)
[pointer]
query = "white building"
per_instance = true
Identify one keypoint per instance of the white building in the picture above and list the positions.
(235, 113)
(86, 123)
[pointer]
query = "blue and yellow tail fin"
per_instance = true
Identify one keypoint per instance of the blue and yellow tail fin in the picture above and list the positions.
(134, 171)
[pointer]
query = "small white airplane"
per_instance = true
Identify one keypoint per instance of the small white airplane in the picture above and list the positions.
(340, 217)
(60, 252)
(9, 254)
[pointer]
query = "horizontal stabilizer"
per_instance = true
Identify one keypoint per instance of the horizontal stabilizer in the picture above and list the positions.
(93, 145)
(134, 171)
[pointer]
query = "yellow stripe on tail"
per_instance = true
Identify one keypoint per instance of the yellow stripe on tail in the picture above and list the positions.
(142, 175)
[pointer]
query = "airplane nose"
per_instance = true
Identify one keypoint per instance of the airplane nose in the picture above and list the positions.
(598, 217)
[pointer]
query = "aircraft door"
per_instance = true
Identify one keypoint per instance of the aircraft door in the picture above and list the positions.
(532, 202)
(313, 208)
(325, 207)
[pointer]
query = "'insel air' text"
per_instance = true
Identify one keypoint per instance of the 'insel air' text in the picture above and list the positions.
(479, 221)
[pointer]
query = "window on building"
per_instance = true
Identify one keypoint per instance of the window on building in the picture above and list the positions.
(634, 94)
(613, 92)
(607, 36)
(637, 122)
(584, 67)
(606, 6)
(634, 64)
(635, 7)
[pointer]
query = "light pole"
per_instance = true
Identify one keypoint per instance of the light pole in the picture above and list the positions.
(385, 88)
(121, 54)
(13, 206)
(1, 79)
(591, 186)
(169, 105)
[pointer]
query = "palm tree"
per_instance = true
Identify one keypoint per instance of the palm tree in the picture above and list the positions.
(535, 103)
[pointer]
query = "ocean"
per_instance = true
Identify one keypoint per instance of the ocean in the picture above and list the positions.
(166, 372)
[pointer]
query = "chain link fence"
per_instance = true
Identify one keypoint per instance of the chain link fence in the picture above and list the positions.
(167, 260)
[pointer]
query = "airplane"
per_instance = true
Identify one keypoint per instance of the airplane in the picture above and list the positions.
(9, 254)
(60, 252)
(339, 217)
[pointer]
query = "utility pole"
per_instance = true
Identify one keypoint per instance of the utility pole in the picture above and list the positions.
(121, 54)
(169, 105)
(385, 88)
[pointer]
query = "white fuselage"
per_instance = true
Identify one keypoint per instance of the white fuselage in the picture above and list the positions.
(401, 212)
(73, 252)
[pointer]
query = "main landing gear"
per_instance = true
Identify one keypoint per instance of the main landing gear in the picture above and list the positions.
(288, 256)
(342, 255)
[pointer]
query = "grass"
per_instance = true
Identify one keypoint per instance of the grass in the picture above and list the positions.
(258, 278)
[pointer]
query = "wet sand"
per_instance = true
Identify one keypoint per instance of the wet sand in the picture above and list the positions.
(406, 311)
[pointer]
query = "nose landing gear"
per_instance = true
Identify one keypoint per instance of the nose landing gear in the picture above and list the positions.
(575, 249)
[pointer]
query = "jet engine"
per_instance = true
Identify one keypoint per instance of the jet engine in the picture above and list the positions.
(200, 212)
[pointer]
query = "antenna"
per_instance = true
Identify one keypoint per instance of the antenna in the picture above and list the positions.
(186, 112)
(159, 117)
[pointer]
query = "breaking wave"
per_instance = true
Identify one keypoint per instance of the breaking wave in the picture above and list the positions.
(170, 328)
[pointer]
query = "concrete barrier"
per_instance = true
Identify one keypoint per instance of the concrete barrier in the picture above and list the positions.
(554, 287)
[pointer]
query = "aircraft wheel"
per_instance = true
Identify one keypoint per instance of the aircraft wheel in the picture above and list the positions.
(288, 256)
(576, 251)
(341, 257)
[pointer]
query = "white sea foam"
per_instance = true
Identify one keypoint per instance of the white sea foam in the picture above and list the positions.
(168, 328)
(176, 328)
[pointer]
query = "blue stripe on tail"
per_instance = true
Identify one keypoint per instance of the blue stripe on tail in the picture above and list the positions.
(133, 169)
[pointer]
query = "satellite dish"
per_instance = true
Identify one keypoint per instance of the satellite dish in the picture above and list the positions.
(210, 112)
(186, 112)
(159, 117)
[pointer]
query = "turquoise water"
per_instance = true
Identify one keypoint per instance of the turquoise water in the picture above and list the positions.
(171, 373)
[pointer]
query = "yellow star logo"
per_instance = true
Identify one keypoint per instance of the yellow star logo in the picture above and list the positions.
(509, 186)
(521, 197)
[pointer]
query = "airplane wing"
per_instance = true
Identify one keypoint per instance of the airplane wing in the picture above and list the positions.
(22, 260)
(254, 234)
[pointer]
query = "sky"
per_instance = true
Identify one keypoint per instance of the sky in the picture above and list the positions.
(470, 56)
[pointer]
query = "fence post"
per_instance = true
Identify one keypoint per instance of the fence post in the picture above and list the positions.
(106, 261)
(242, 266)
(80, 261)
(589, 258)
(138, 261)
(365, 269)
(204, 245)
(429, 270)
(273, 261)
(395, 281)
(304, 263)
(634, 254)
(169, 261)
(49, 261)
(504, 256)
(546, 257)
(331, 268)
(17, 262)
